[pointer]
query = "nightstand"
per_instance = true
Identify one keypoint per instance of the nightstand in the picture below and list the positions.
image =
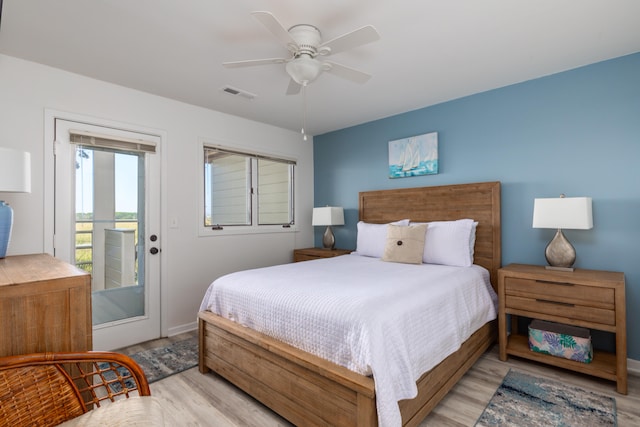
(587, 298)
(317, 253)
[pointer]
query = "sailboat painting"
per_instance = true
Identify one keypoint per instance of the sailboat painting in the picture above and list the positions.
(414, 156)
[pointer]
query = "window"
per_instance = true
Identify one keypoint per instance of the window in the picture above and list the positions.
(246, 189)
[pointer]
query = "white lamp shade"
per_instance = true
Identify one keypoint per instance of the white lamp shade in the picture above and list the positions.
(328, 215)
(563, 212)
(15, 171)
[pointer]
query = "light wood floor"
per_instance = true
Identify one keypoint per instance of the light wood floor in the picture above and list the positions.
(193, 399)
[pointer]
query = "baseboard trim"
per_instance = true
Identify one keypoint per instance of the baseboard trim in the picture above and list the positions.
(188, 327)
(633, 367)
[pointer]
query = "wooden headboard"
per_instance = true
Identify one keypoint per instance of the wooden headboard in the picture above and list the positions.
(479, 201)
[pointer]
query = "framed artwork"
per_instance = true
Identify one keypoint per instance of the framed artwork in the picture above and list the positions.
(414, 156)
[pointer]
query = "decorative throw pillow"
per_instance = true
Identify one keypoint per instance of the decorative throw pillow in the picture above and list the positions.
(372, 238)
(405, 244)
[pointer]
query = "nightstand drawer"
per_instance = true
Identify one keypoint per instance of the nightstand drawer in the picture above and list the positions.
(561, 292)
(553, 307)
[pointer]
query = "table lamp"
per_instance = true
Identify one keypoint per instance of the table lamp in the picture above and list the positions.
(328, 215)
(562, 212)
(15, 177)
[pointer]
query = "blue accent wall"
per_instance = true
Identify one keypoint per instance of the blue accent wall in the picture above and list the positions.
(575, 132)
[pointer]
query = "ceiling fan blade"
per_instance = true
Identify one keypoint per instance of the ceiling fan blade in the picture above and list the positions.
(359, 37)
(252, 62)
(293, 88)
(272, 24)
(345, 72)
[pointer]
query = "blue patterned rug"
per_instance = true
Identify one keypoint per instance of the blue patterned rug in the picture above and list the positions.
(162, 362)
(523, 400)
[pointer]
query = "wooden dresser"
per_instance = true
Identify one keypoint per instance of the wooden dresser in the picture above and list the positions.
(45, 305)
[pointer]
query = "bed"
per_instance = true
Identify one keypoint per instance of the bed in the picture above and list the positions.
(310, 390)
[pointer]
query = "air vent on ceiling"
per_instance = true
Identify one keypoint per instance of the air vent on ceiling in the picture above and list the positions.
(238, 92)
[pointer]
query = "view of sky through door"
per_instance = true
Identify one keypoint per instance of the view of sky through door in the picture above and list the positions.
(126, 170)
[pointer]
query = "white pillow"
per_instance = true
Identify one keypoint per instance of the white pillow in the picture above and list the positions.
(450, 242)
(372, 238)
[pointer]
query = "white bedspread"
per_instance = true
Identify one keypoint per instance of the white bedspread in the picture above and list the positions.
(395, 321)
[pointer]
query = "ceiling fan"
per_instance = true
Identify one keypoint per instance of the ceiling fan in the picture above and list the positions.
(305, 45)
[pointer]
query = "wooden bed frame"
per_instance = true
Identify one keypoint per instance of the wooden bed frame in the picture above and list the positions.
(308, 390)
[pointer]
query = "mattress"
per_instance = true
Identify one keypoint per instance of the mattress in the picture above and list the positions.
(390, 320)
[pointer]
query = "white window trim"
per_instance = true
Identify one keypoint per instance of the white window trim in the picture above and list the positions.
(207, 231)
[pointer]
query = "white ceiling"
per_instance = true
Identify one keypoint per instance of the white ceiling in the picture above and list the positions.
(430, 51)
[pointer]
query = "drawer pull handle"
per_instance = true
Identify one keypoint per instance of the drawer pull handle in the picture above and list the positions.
(555, 302)
(555, 283)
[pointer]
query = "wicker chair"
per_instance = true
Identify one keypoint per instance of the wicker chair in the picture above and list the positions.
(46, 389)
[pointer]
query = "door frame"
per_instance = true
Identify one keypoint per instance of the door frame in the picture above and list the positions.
(50, 116)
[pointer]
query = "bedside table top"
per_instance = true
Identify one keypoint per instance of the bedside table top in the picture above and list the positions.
(324, 252)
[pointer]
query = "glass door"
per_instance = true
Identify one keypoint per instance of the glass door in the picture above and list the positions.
(105, 224)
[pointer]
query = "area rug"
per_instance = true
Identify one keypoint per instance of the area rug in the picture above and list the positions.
(523, 400)
(159, 363)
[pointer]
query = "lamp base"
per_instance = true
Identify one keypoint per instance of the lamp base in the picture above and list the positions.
(6, 221)
(550, 267)
(328, 240)
(560, 253)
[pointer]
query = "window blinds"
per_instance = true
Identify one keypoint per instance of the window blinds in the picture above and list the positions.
(85, 138)
(212, 153)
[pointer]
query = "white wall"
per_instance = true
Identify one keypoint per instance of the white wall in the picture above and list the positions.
(189, 262)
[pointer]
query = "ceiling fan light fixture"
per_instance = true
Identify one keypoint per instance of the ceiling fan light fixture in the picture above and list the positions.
(304, 69)
(304, 43)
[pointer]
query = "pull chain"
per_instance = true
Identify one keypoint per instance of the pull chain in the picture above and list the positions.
(304, 110)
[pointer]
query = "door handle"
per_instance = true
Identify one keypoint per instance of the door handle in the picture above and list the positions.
(154, 251)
